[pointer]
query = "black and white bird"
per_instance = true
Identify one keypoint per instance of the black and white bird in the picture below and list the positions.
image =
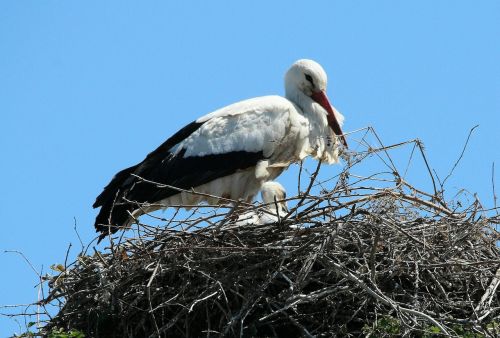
(275, 206)
(230, 152)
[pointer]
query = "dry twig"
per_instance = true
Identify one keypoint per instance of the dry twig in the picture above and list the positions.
(365, 248)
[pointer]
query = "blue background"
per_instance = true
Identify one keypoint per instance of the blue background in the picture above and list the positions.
(90, 87)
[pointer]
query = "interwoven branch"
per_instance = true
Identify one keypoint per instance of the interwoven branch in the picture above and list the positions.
(366, 248)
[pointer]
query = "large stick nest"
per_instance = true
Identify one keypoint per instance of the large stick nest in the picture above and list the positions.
(361, 257)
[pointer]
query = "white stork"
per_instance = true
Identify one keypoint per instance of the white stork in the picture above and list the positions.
(230, 152)
(275, 207)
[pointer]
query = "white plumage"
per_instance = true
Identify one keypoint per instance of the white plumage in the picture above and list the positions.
(231, 152)
(275, 206)
(277, 126)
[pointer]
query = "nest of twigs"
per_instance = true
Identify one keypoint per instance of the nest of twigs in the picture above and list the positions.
(349, 260)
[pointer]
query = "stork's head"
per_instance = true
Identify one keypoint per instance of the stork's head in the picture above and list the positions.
(307, 78)
(273, 192)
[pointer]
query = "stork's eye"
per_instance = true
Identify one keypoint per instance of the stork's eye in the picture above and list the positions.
(309, 78)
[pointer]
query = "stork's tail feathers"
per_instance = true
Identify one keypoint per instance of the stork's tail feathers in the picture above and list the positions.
(113, 217)
(118, 182)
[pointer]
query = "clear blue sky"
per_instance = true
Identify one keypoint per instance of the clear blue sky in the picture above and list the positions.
(90, 87)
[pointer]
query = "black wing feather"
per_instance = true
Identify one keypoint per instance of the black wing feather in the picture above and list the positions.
(121, 179)
(189, 172)
(162, 166)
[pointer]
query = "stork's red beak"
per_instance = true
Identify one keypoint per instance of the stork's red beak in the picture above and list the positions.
(321, 98)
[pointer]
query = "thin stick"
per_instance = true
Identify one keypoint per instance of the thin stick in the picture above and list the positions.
(493, 187)
(461, 155)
